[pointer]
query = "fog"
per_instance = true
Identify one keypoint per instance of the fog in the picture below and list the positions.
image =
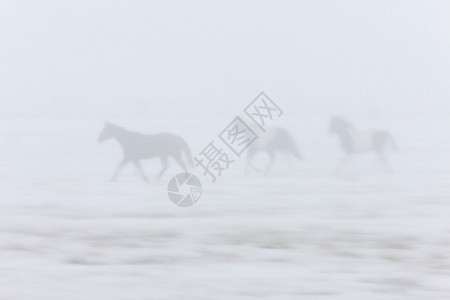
(342, 195)
(105, 57)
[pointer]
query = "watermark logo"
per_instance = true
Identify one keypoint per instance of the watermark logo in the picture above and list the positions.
(184, 189)
(213, 161)
(262, 109)
(237, 137)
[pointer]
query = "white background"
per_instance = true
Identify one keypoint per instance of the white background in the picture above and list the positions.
(189, 68)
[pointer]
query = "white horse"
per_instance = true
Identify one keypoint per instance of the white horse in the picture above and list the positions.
(137, 146)
(273, 141)
(354, 141)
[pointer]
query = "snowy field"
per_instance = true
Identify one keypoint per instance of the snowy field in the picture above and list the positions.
(66, 232)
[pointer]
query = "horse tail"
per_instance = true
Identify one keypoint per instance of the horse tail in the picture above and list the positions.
(392, 142)
(383, 138)
(187, 152)
(294, 150)
(290, 144)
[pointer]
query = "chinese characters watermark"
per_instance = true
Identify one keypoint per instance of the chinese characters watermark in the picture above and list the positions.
(216, 158)
(262, 109)
(237, 136)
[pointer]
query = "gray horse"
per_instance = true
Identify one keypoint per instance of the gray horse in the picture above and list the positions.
(137, 146)
(273, 141)
(353, 141)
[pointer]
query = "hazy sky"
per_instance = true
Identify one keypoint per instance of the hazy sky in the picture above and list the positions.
(89, 57)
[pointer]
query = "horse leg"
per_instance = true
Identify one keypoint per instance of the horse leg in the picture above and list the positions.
(249, 164)
(180, 161)
(342, 163)
(269, 166)
(118, 169)
(164, 167)
(382, 157)
(141, 171)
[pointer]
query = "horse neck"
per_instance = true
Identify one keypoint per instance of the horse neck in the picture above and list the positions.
(346, 136)
(121, 135)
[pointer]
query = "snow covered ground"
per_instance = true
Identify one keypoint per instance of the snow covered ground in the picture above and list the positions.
(66, 232)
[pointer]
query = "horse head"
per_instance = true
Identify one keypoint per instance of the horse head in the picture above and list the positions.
(339, 125)
(106, 133)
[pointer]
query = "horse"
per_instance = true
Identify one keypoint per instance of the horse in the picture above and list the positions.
(273, 141)
(137, 146)
(353, 141)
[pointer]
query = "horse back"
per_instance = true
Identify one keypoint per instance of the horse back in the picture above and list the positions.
(142, 146)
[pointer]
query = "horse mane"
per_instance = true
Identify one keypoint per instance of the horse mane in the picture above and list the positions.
(115, 126)
(339, 121)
